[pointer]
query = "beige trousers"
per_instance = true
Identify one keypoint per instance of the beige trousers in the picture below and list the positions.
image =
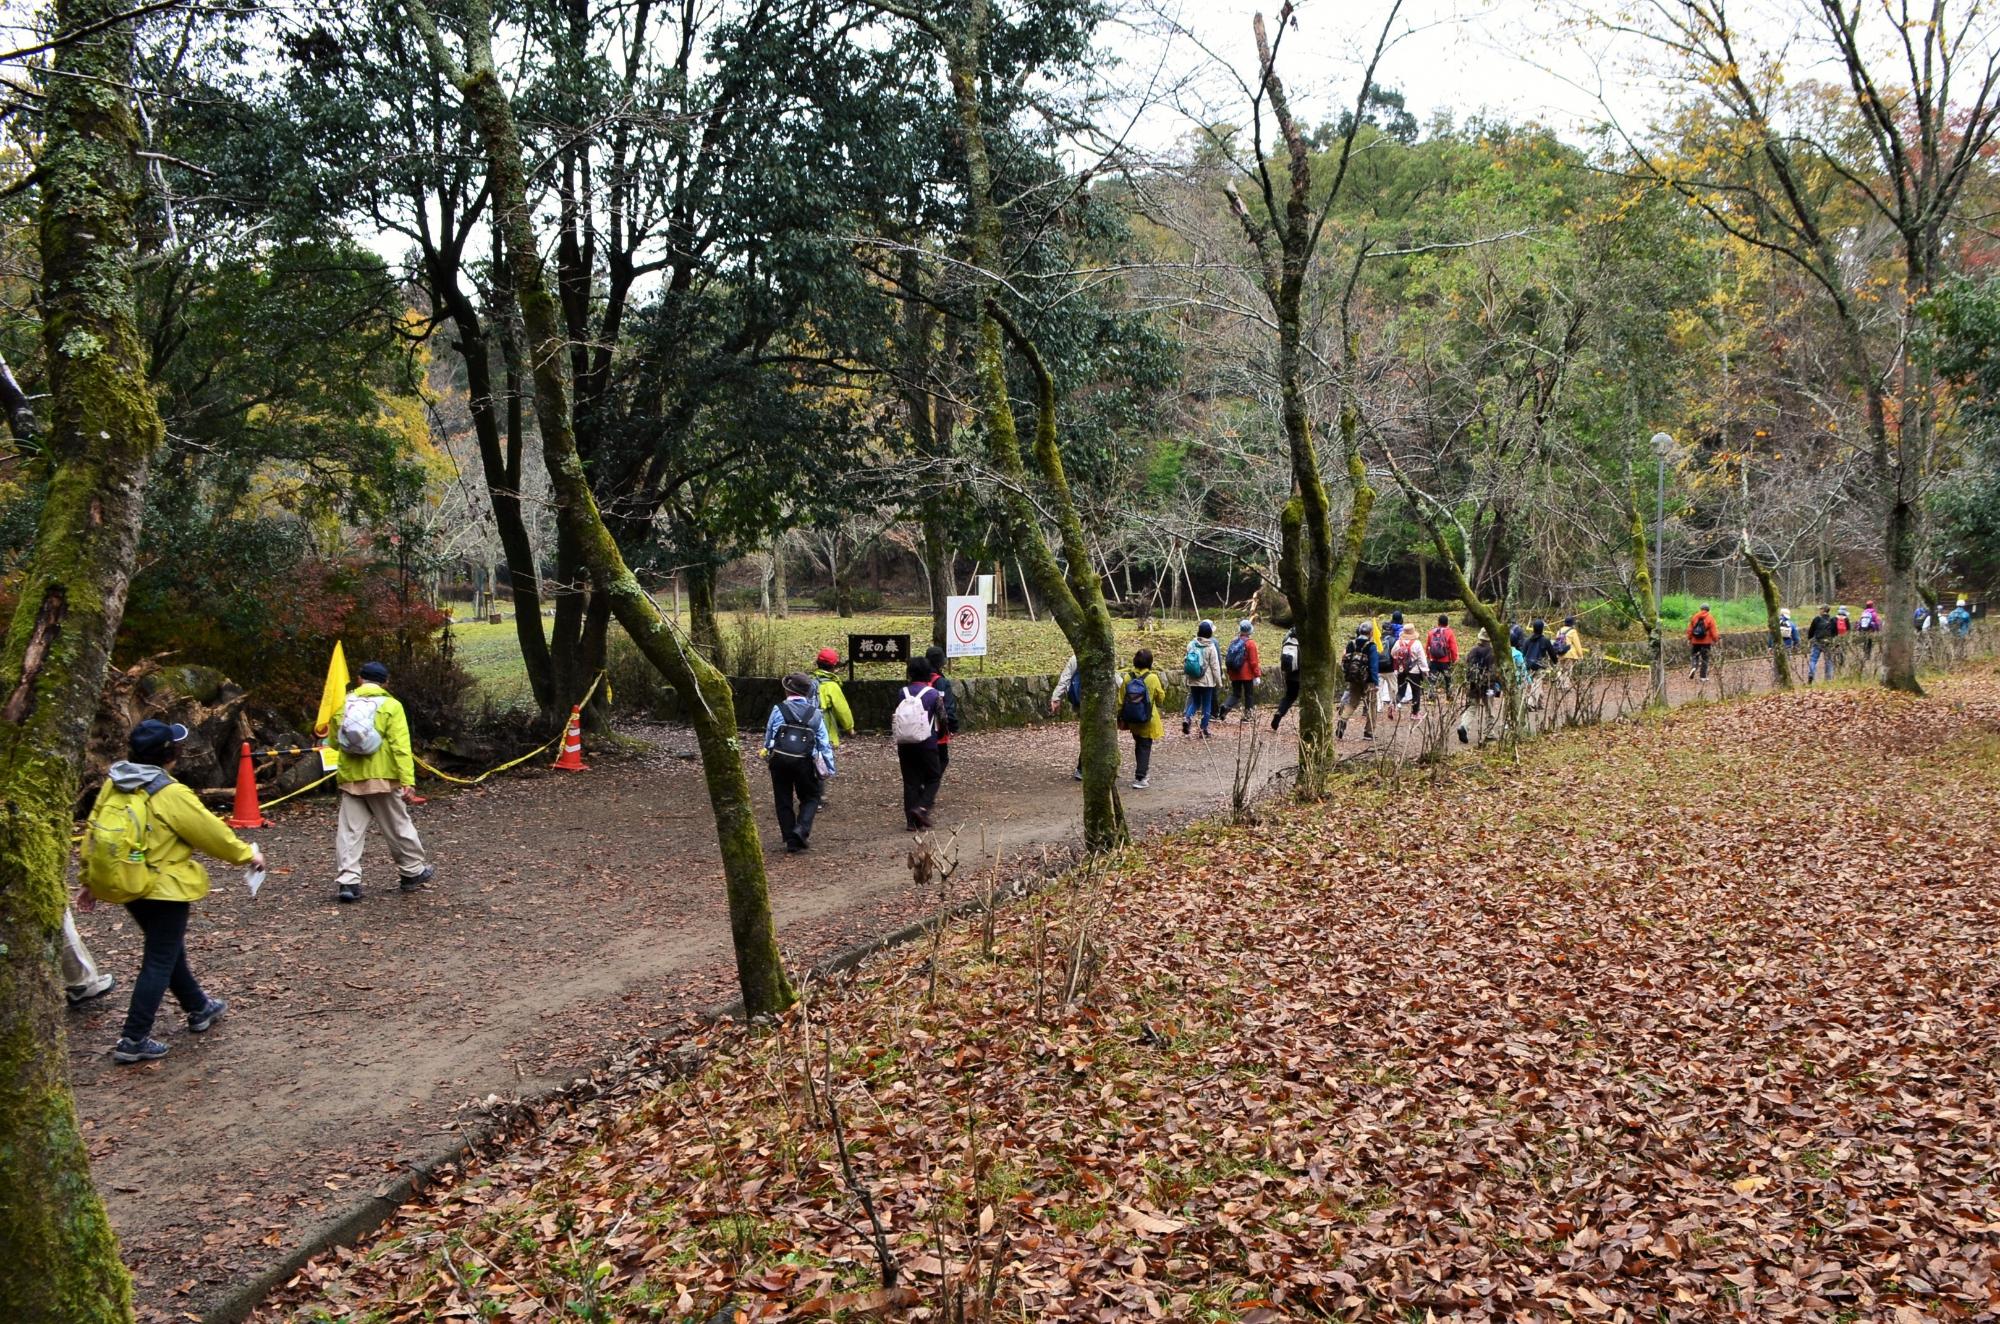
(392, 816)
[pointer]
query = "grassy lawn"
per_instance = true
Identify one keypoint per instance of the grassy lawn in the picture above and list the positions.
(1018, 647)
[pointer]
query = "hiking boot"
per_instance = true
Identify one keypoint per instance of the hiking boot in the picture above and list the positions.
(1274, 721)
(103, 984)
(1185, 724)
(128, 1051)
(1140, 784)
(199, 1022)
(416, 881)
(1340, 729)
(349, 892)
(1463, 738)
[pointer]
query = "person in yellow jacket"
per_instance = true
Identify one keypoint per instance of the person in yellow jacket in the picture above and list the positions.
(832, 699)
(1569, 650)
(377, 775)
(1142, 696)
(174, 825)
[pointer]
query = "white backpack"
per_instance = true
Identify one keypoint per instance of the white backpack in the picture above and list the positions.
(357, 734)
(911, 723)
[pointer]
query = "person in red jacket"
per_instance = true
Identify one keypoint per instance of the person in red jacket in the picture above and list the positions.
(1244, 671)
(1441, 645)
(1702, 636)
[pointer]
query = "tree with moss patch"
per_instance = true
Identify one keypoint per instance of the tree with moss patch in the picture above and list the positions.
(60, 1261)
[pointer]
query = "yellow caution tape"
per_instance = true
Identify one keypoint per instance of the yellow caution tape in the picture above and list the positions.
(514, 763)
(301, 791)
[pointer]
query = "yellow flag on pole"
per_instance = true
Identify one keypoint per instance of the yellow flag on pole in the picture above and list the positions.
(331, 700)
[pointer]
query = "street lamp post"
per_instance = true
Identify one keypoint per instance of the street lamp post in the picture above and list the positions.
(1663, 446)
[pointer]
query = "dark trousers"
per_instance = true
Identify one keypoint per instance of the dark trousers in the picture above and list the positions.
(1410, 685)
(922, 769)
(1291, 697)
(1242, 694)
(1441, 676)
(1142, 756)
(1698, 658)
(944, 757)
(795, 780)
(164, 965)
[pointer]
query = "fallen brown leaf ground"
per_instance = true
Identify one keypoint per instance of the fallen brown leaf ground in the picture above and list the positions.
(1691, 1018)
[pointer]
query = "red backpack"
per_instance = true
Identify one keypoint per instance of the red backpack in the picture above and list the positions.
(1440, 643)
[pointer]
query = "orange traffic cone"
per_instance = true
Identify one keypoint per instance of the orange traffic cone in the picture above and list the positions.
(571, 759)
(247, 814)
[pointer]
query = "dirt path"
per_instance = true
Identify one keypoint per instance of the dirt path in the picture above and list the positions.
(573, 915)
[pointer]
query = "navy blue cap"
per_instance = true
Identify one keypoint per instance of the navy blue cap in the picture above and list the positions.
(152, 739)
(374, 671)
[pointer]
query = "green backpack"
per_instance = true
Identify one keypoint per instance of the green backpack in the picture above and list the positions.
(114, 846)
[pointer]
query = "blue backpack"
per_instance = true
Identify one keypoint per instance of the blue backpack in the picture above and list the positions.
(1192, 663)
(1137, 710)
(1239, 651)
(1076, 688)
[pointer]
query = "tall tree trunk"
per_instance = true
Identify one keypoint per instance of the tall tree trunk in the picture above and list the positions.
(60, 1263)
(704, 628)
(781, 597)
(703, 690)
(1076, 598)
(500, 447)
(939, 562)
(1642, 592)
(1767, 583)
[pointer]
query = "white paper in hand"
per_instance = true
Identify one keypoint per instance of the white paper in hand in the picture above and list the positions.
(253, 878)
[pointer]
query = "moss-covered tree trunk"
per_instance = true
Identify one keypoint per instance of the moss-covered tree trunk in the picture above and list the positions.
(1075, 596)
(703, 691)
(58, 1257)
(1767, 584)
(1312, 570)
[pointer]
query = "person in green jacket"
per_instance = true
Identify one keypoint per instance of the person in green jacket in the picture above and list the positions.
(377, 776)
(1141, 696)
(175, 824)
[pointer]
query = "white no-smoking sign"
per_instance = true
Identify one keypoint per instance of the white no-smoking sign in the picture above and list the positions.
(965, 629)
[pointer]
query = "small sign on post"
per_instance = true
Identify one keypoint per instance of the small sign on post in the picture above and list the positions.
(876, 648)
(965, 628)
(986, 589)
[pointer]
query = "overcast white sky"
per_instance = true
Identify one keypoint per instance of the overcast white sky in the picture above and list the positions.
(1512, 59)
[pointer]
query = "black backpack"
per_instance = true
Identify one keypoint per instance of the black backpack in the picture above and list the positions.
(794, 739)
(1354, 663)
(1137, 710)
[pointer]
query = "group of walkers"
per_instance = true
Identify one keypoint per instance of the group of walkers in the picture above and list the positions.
(146, 829)
(802, 740)
(1826, 633)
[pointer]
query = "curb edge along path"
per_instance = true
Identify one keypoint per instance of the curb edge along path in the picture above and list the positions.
(238, 1302)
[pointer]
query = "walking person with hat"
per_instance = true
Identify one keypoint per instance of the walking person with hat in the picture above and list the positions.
(139, 852)
(377, 776)
(835, 714)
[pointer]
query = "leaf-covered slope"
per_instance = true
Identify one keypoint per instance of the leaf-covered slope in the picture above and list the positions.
(1686, 1019)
